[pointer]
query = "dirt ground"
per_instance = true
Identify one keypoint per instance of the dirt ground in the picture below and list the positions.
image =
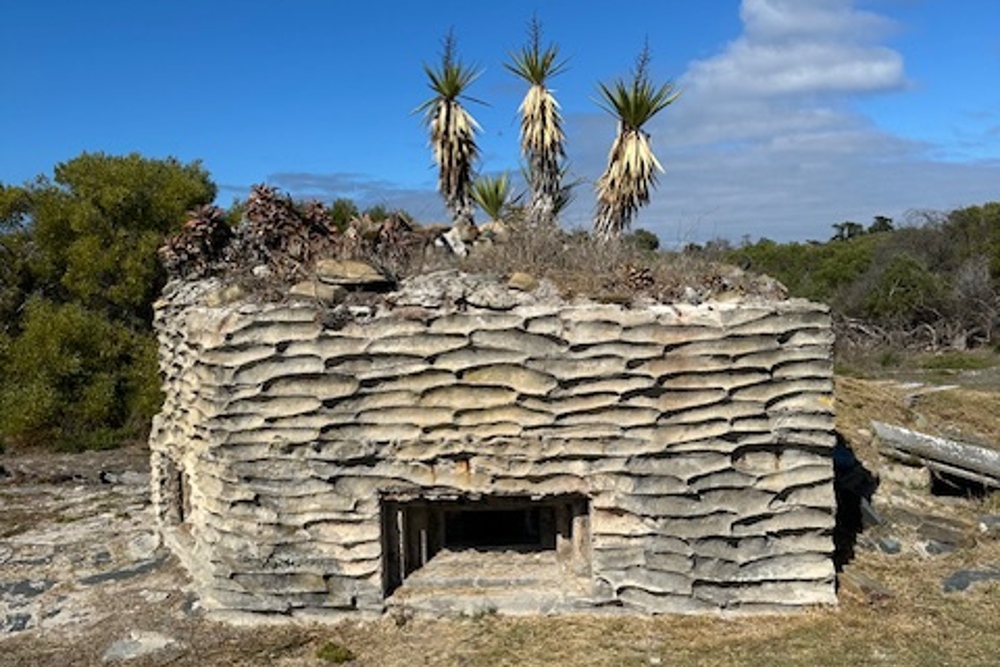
(84, 579)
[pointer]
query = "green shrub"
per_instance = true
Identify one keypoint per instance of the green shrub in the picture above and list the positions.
(958, 361)
(74, 380)
(78, 275)
(906, 293)
(334, 653)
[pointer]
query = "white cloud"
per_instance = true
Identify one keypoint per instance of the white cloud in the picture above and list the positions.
(794, 19)
(763, 68)
(790, 47)
(764, 143)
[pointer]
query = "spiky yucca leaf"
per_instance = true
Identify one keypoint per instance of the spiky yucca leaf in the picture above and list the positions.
(493, 194)
(452, 130)
(632, 168)
(542, 137)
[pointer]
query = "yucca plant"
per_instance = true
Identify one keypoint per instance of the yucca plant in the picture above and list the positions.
(493, 195)
(452, 130)
(542, 137)
(632, 167)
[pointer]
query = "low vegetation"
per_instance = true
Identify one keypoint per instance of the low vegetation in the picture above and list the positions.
(933, 284)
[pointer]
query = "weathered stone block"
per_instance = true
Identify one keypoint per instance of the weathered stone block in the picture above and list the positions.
(523, 380)
(678, 454)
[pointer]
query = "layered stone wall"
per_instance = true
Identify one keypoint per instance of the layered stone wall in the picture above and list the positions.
(700, 437)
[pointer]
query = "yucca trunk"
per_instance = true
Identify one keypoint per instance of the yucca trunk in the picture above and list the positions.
(626, 183)
(542, 142)
(631, 172)
(542, 137)
(452, 130)
(454, 146)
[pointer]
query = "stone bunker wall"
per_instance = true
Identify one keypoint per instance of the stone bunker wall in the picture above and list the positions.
(700, 437)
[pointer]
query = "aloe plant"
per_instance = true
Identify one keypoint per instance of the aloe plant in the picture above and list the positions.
(632, 168)
(452, 130)
(493, 195)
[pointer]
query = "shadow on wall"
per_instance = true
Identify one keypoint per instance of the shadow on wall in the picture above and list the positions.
(854, 486)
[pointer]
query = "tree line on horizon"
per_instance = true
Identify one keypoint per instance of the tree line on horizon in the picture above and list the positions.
(932, 284)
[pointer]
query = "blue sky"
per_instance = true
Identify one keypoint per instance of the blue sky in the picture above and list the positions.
(795, 114)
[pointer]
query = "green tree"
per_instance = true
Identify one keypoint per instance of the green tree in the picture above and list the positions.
(542, 137)
(377, 212)
(452, 130)
(75, 380)
(843, 231)
(98, 225)
(643, 239)
(975, 230)
(16, 251)
(631, 172)
(78, 358)
(881, 224)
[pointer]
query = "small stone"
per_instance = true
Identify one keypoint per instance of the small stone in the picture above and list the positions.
(492, 296)
(15, 623)
(864, 587)
(452, 240)
(945, 533)
(313, 289)
(989, 525)
(869, 517)
(936, 548)
(139, 644)
(467, 231)
(522, 281)
(155, 596)
(494, 230)
(690, 295)
(225, 295)
(964, 579)
(26, 588)
(144, 545)
(889, 545)
(349, 272)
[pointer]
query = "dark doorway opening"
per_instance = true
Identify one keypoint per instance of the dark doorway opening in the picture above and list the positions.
(525, 527)
(176, 489)
(415, 529)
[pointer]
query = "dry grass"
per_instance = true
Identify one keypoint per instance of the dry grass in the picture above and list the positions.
(615, 271)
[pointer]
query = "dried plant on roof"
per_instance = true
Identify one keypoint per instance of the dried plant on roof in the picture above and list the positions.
(632, 167)
(452, 130)
(542, 137)
(281, 234)
(199, 246)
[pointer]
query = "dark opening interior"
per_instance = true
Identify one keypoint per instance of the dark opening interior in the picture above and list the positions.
(947, 485)
(415, 529)
(177, 492)
(478, 528)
